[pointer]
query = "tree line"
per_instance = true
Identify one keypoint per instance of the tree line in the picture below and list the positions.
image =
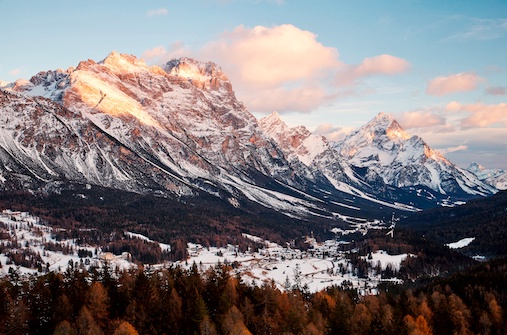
(175, 300)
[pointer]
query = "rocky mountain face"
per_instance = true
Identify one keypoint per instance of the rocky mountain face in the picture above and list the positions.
(494, 177)
(178, 130)
(382, 151)
(379, 160)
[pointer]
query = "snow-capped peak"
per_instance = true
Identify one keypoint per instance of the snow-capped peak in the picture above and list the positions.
(206, 75)
(384, 124)
(128, 64)
(296, 140)
(494, 177)
(476, 168)
(387, 151)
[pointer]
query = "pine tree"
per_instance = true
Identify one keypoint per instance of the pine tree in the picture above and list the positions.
(16, 321)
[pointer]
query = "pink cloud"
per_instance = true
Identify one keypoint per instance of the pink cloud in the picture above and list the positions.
(381, 64)
(332, 132)
(420, 119)
(269, 57)
(445, 151)
(481, 115)
(299, 99)
(282, 67)
(460, 82)
(160, 55)
(496, 91)
(14, 72)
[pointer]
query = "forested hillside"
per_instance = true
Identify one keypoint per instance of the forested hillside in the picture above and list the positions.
(485, 219)
(177, 301)
(99, 216)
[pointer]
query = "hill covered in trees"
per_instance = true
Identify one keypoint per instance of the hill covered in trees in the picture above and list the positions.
(177, 301)
(485, 219)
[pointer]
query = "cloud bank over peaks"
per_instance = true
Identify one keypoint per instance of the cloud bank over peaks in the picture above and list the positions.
(283, 68)
(420, 119)
(331, 132)
(480, 115)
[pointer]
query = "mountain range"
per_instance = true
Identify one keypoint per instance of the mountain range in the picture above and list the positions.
(178, 131)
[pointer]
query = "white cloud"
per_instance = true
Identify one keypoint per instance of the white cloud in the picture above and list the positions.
(479, 29)
(157, 12)
(382, 64)
(331, 132)
(160, 55)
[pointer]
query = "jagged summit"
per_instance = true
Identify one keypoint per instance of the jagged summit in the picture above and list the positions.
(382, 149)
(275, 126)
(494, 177)
(124, 63)
(383, 125)
(296, 142)
(206, 75)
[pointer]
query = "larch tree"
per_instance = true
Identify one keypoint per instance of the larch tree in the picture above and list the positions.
(85, 323)
(97, 302)
(64, 328)
(125, 328)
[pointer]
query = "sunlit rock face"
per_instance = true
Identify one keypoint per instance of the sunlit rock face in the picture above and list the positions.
(182, 125)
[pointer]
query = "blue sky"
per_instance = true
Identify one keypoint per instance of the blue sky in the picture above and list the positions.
(439, 67)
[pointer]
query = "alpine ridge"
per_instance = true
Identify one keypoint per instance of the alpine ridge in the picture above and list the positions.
(382, 151)
(177, 130)
(496, 178)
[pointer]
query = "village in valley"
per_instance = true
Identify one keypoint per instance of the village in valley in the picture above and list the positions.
(29, 247)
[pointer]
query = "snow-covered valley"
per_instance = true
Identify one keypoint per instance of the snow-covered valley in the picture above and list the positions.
(29, 247)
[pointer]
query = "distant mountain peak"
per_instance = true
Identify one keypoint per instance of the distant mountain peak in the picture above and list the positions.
(274, 126)
(494, 177)
(475, 167)
(385, 150)
(385, 124)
